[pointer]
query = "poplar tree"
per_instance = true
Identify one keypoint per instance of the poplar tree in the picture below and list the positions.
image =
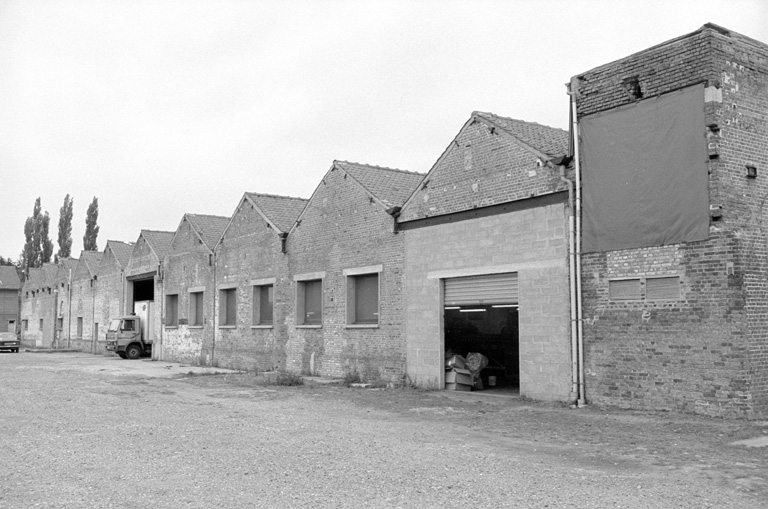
(38, 247)
(65, 228)
(91, 228)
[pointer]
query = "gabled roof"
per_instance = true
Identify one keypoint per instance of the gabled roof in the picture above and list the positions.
(91, 260)
(390, 186)
(9, 278)
(280, 211)
(49, 274)
(387, 187)
(121, 250)
(541, 141)
(550, 141)
(208, 228)
(159, 242)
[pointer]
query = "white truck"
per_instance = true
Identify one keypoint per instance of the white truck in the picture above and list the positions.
(130, 336)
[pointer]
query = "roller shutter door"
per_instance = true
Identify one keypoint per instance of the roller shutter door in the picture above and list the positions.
(486, 289)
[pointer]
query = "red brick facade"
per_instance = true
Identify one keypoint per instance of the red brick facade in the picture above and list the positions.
(706, 352)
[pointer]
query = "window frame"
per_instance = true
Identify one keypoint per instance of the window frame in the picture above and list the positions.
(171, 314)
(352, 277)
(634, 297)
(302, 280)
(227, 309)
(196, 299)
(660, 296)
(257, 286)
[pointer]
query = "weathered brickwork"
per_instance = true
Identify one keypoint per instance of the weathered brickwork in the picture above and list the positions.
(110, 288)
(251, 250)
(38, 299)
(83, 303)
(344, 227)
(706, 351)
(188, 267)
(482, 167)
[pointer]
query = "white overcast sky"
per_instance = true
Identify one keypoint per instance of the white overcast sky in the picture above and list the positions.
(164, 107)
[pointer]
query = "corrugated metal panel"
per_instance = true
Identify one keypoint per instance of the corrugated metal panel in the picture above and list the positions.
(486, 289)
(624, 289)
(662, 288)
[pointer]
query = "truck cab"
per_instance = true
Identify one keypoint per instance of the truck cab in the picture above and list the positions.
(125, 337)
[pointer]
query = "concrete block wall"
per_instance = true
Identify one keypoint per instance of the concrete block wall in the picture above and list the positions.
(344, 228)
(187, 266)
(532, 243)
(251, 250)
(705, 352)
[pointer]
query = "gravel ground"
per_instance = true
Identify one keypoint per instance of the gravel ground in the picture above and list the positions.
(90, 431)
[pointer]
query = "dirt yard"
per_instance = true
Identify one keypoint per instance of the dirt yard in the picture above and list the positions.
(91, 431)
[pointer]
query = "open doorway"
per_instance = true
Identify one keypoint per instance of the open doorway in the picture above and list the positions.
(481, 316)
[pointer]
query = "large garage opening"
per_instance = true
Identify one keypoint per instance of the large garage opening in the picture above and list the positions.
(481, 317)
(143, 289)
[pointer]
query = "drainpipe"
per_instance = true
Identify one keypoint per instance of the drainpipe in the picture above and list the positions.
(573, 93)
(69, 306)
(93, 316)
(572, 284)
(213, 311)
(158, 356)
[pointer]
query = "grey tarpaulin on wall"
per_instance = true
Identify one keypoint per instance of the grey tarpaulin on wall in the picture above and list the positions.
(645, 179)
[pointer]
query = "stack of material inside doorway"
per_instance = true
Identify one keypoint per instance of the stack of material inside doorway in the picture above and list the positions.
(481, 315)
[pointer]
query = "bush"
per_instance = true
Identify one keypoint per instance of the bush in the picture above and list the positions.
(352, 377)
(288, 378)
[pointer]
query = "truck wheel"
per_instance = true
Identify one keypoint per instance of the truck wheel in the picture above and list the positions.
(133, 351)
(122, 355)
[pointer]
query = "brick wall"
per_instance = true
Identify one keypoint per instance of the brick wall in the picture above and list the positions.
(251, 250)
(705, 351)
(83, 302)
(109, 295)
(344, 228)
(480, 168)
(188, 266)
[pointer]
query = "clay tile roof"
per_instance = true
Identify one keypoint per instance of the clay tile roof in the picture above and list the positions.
(283, 211)
(92, 260)
(9, 278)
(49, 273)
(121, 250)
(210, 228)
(159, 241)
(68, 263)
(35, 277)
(393, 187)
(549, 140)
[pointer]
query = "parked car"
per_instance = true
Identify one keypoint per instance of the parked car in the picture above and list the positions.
(9, 341)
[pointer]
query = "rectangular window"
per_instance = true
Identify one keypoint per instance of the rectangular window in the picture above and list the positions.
(25, 324)
(41, 324)
(80, 327)
(263, 304)
(60, 323)
(662, 288)
(196, 318)
(310, 302)
(228, 307)
(172, 310)
(624, 289)
(363, 299)
(96, 331)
